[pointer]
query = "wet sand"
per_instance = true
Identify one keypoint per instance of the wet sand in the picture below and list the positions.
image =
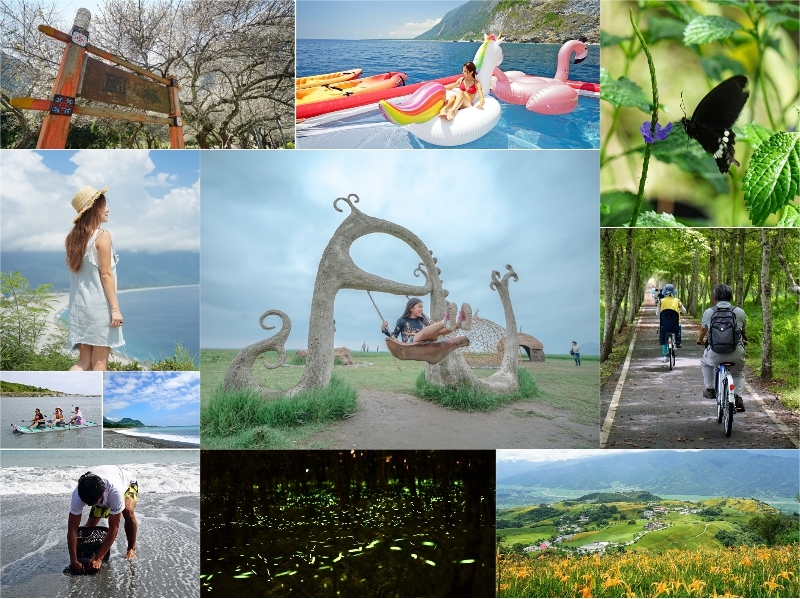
(115, 440)
(35, 553)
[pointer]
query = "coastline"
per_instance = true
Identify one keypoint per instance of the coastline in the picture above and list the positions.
(115, 440)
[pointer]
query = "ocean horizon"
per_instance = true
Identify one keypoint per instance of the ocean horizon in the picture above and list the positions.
(156, 319)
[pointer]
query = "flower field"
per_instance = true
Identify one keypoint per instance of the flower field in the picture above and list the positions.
(703, 572)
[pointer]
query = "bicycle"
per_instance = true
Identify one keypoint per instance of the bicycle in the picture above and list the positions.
(671, 350)
(724, 388)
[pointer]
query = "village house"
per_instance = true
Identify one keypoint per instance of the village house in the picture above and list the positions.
(598, 547)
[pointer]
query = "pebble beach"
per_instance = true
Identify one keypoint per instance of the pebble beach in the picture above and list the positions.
(114, 440)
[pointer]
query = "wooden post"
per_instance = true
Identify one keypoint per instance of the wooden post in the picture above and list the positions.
(55, 126)
(176, 128)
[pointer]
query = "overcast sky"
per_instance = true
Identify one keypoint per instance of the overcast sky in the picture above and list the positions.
(155, 398)
(153, 197)
(79, 383)
(369, 19)
(267, 217)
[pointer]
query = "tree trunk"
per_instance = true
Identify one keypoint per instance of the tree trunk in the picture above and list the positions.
(792, 283)
(620, 290)
(712, 261)
(739, 287)
(694, 284)
(766, 307)
(607, 256)
(730, 257)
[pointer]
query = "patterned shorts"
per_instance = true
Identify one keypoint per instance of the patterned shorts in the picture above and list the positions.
(103, 512)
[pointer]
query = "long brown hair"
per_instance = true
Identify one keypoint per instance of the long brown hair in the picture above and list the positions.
(413, 301)
(79, 237)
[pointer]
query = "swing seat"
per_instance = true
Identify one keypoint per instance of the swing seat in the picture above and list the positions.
(431, 352)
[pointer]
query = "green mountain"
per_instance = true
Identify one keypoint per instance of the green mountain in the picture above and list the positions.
(122, 423)
(135, 269)
(11, 388)
(634, 497)
(731, 473)
(533, 21)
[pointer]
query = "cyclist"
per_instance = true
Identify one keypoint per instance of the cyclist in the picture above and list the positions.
(668, 311)
(723, 295)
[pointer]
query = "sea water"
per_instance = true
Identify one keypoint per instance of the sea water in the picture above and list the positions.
(35, 488)
(176, 434)
(426, 60)
(157, 318)
(20, 410)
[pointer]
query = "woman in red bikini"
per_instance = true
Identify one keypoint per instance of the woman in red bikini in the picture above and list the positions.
(466, 89)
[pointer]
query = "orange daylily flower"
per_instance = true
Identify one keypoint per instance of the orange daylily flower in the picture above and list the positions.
(586, 592)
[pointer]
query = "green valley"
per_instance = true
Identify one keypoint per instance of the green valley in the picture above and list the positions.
(636, 521)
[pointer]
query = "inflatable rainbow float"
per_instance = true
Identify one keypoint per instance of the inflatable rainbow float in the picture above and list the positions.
(419, 114)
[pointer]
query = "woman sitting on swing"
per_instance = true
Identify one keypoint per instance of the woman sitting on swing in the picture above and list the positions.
(414, 326)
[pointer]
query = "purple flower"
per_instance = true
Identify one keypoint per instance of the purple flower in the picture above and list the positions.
(660, 135)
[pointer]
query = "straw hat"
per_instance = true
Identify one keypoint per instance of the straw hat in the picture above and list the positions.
(85, 199)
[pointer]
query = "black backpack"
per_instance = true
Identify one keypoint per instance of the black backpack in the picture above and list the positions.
(723, 334)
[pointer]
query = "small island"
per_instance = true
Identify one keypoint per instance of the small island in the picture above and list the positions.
(23, 390)
(122, 423)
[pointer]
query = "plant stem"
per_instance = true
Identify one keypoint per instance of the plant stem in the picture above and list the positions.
(654, 119)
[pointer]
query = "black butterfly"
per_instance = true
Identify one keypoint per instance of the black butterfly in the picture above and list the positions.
(713, 118)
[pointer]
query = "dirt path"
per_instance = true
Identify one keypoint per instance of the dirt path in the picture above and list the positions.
(662, 409)
(388, 420)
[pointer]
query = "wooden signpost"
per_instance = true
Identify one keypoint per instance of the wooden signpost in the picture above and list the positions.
(83, 76)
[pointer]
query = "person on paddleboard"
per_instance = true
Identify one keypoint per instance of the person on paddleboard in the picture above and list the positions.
(112, 493)
(77, 417)
(38, 419)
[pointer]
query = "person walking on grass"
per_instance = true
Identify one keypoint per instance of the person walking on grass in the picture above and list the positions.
(575, 352)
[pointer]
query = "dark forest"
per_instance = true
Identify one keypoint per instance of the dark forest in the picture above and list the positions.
(347, 523)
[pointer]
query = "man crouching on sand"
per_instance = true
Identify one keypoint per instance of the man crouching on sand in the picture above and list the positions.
(111, 492)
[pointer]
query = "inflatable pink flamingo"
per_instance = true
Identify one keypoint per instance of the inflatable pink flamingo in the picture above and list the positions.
(542, 94)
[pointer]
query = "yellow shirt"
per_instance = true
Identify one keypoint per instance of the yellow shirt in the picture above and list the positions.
(671, 303)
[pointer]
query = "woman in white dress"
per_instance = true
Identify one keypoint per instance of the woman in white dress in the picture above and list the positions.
(95, 319)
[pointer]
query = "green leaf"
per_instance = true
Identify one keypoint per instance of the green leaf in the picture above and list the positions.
(660, 28)
(753, 134)
(706, 29)
(791, 217)
(689, 156)
(727, 2)
(681, 10)
(619, 207)
(623, 92)
(772, 179)
(783, 7)
(717, 65)
(654, 219)
(607, 40)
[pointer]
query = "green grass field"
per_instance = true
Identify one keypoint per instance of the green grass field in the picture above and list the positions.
(561, 384)
(684, 531)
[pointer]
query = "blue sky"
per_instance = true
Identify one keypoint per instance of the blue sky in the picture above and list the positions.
(153, 197)
(267, 218)
(369, 19)
(155, 398)
(79, 383)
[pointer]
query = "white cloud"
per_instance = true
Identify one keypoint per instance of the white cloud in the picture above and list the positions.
(110, 406)
(148, 212)
(409, 30)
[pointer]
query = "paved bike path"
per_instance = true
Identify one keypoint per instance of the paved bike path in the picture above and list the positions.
(656, 408)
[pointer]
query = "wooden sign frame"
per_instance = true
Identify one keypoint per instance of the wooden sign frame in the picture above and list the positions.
(106, 83)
